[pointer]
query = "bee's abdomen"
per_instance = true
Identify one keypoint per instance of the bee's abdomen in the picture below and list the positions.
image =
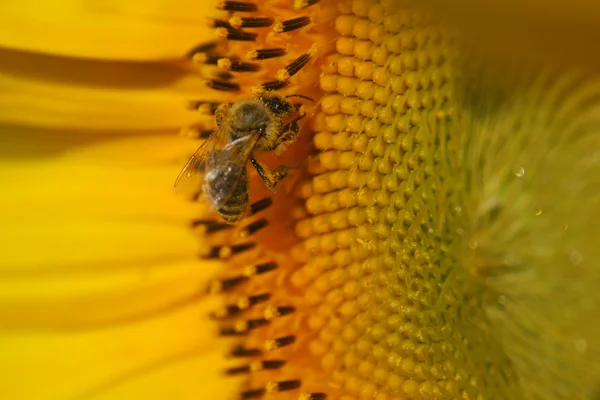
(226, 187)
(234, 209)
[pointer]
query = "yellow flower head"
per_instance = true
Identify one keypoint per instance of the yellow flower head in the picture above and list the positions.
(434, 240)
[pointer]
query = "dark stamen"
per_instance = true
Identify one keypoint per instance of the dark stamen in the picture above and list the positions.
(238, 370)
(231, 310)
(240, 35)
(219, 23)
(211, 226)
(260, 205)
(203, 48)
(241, 351)
(255, 323)
(316, 396)
(263, 54)
(285, 310)
(231, 331)
(214, 252)
(255, 366)
(238, 248)
(283, 341)
(238, 6)
(210, 59)
(286, 385)
(230, 283)
(297, 64)
(242, 327)
(226, 284)
(296, 23)
(266, 267)
(223, 86)
(255, 226)
(308, 3)
(240, 66)
(256, 22)
(258, 298)
(272, 364)
(274, 85)
(224, 76)
(225, 251)
(252, 394)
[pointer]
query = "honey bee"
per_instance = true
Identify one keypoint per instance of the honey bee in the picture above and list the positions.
(218, 168)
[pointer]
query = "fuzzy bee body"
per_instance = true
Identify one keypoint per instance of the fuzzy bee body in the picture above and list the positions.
(233, 208)
(218, 167)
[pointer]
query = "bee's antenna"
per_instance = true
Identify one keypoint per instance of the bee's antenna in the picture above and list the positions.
(298, 118)
(301, 96)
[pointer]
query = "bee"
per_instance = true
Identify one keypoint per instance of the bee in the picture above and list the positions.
(218, 168)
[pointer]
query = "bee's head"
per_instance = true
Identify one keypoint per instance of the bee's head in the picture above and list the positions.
(276, 104)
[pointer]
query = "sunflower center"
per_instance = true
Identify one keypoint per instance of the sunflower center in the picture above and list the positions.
(374, 252)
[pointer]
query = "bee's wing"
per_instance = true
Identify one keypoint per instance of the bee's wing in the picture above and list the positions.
(190, 179)
(222, 164)
(228, 168)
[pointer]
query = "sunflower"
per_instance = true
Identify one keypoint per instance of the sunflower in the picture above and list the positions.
(434, 240)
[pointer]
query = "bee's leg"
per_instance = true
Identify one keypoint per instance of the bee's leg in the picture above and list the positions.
(271, 178)
(221, 113)
(289, 132)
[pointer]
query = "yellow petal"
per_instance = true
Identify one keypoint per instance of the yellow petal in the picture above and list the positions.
(47, 91)
(99, 277)
(136, 357)
(108, 202)
(99, 219)
(117, 30)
